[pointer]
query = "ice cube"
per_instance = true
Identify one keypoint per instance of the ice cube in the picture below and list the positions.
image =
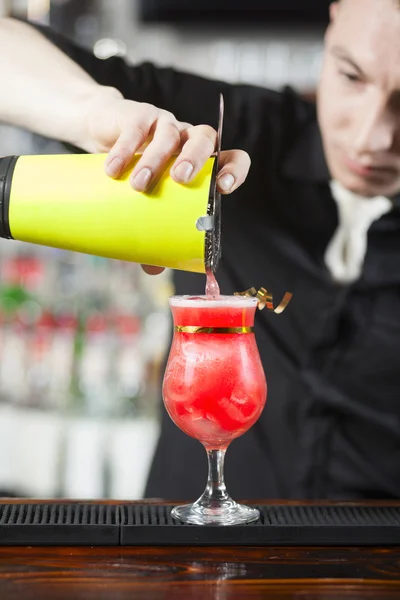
(205, 430)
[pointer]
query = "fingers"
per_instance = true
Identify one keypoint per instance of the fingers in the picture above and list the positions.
(234, 167)
(198, 145)
(166, 140)
(141, 125)
(152, 270)
(135, 127)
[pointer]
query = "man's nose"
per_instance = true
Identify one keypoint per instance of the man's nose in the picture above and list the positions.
(375, 129)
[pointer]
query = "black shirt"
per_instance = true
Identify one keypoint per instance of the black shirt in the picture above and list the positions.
(331, 426)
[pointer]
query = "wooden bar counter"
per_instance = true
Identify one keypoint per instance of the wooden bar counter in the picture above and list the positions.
(198, 572)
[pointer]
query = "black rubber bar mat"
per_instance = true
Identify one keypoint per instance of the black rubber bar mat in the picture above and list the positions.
(80, 524)
(59, 525)
(278, 525)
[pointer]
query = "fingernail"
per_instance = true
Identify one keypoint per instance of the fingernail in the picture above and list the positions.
(113, 168)
(225, 182)
(183, 171)
(142, 179)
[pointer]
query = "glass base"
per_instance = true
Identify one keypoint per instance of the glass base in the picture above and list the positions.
(227, 512)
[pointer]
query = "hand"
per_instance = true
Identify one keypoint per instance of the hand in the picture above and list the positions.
(123, 127)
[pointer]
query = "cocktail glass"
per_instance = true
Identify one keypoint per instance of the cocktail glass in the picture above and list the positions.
(214, 389)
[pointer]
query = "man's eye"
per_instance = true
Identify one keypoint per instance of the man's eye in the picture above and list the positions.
(352, 77)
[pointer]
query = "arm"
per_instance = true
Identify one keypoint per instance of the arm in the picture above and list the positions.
(45, 91)
(190, 97)
(49, 93)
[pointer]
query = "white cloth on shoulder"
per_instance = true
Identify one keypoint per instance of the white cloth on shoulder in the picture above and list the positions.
(346, 251)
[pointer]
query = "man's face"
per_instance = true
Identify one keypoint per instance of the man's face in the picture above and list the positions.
(359, 96)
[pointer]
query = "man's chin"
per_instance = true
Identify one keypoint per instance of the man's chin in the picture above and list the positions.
(366, 188)
(361, 188)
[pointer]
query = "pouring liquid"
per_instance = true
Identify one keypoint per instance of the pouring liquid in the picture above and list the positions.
(212, 287)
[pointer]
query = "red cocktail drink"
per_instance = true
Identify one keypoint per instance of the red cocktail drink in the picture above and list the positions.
(214, 385)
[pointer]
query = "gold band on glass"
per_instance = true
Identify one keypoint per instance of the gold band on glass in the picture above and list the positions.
(193, 329)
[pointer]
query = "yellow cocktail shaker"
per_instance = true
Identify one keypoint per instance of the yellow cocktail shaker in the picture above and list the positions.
(67, 201)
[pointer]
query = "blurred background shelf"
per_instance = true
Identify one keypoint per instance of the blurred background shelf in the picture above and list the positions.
(82, 346)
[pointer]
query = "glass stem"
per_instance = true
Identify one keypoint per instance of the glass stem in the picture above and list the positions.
(215, 492)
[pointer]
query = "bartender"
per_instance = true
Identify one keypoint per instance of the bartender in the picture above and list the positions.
(318, 215)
